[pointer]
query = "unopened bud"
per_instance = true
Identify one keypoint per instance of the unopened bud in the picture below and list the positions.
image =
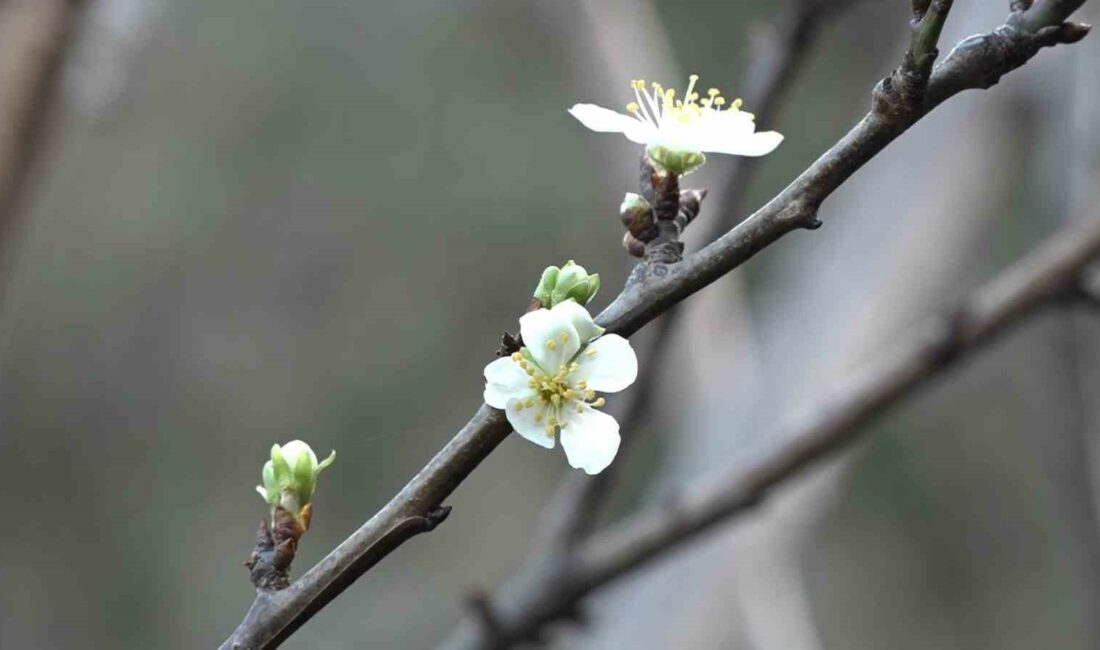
(632, 245)
(570, 282)
(634, 208)
(290, 478)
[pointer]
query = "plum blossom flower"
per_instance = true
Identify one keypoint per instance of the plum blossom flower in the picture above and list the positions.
(678, 132)
(550, 385)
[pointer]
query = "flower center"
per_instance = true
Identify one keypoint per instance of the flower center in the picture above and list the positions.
(558, 394)
(660, 106)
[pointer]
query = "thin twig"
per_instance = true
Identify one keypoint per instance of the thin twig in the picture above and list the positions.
(31, 77)
(652, 289)
(1038, 280)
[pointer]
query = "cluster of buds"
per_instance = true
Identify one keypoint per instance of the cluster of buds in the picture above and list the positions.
(570, 282)
(660, 213)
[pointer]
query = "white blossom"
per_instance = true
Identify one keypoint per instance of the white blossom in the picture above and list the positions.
(550, 385)
(681, 130)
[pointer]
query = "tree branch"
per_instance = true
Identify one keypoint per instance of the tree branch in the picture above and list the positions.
(1040, 279)
(653, 288)
(27, 96)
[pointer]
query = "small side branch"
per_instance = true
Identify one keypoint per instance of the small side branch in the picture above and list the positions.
(981, 60)
(928, 21)
(899, 99)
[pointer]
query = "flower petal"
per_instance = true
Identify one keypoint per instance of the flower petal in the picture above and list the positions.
(550, 337)
(608, 364)
(603, 120)
(591, 440)
(504, 380)
(755, 144)
(587, 329)
(641, 132)
(523, 421)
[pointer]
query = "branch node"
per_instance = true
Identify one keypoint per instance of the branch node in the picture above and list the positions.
(269, 563)
(435, 517)
(899, 98)
(803, 214)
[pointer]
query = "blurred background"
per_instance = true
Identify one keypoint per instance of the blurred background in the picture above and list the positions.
(259, 222)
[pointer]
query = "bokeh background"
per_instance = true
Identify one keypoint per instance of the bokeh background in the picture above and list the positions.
(263, 221)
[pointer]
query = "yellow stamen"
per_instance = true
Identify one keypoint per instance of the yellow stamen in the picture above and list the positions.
(551, 344)
(590, 352)
(691, 85)
(563, 337)
(549, 430)
(600, 402)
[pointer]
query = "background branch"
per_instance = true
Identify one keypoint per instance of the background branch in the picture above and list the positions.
(34, 60)
(1044, 276)
(651, 289)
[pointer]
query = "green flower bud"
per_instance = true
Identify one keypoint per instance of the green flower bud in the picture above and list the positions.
(546, 285)
(290, 477)
(676, 161)
(574, 282)
(570, 282)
